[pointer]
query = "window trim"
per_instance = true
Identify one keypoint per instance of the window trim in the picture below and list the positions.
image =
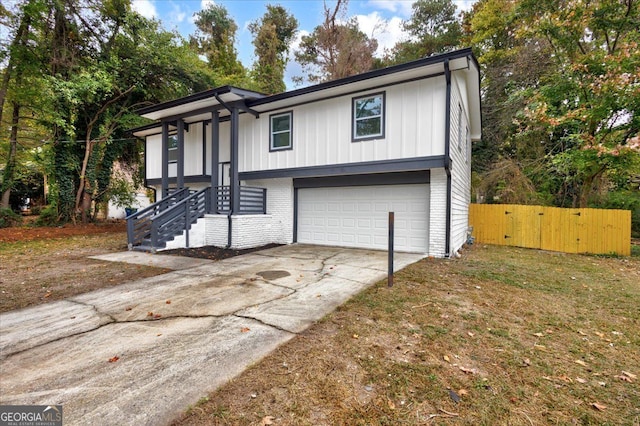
(283, 148)
(383, 114)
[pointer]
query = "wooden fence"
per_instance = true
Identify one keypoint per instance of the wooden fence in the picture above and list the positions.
(596, 231)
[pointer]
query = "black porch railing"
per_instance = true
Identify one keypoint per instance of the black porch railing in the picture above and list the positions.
(252, 200)
(153, 226)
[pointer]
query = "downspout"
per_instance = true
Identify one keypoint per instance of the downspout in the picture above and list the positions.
(447, 157)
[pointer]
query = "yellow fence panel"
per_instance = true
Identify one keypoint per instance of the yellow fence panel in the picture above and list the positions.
(596, 231)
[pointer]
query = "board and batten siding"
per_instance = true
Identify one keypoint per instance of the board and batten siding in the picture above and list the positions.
(193, 154)
(414, 127)
(460, 152)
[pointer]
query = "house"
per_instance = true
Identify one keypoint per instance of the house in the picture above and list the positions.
(322, 165)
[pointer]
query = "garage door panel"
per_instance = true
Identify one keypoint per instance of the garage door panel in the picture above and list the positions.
(358, 216)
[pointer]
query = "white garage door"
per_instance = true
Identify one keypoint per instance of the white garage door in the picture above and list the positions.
(357, 216)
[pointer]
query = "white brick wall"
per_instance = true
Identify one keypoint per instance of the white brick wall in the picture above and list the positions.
(216, 230)
(438, 213)
(279, 206)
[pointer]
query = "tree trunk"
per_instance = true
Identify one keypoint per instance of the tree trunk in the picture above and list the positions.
(10, 169)
(82, 195)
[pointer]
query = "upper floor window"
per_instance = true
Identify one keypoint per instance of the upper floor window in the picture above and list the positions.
(173, 149)
(368, 117)
(281, 130)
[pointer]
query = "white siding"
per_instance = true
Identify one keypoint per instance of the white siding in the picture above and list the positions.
(153, 157)
(460, 167)
(414, 127)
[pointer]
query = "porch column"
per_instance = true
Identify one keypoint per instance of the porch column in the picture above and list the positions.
(235, 181)
(180, 174)
(215, 159)
(165, 160)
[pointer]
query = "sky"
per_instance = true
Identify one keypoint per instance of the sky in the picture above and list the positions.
(381, 19)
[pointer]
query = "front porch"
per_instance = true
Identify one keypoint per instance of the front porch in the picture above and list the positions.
(182, 215)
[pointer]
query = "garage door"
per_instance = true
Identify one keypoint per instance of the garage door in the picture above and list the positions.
(357, 216)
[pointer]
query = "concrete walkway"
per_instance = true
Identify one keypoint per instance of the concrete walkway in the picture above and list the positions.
(142, 352)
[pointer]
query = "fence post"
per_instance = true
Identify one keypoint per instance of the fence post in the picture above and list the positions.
(391, 237)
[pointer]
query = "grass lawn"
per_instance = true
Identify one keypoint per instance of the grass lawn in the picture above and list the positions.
(501, 336)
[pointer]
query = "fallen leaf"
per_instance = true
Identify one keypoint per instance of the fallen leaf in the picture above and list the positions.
(581, 362)
(582, 333)
(446, 358)
(580, 380)
(267, 420)
(168, 302)
(114, 359)
(526, 362)
(149, 314)
(470, 334)
(629, 375)
(159, 334)
(463, 392)
(355, 336)
(244, 329)
(540, 347)
(467, 370)
(538, 334)
(565, 378)
(128, 308)
(599, 334)
(47, 295)
(549, 331)
(624, 378)
(391, 405)
(598, 406)
(156, 316)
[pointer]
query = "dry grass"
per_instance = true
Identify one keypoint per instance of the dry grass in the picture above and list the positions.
(35, 271)
(523, 337)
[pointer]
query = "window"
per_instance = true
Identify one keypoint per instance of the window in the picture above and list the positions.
(368, 117)
(173, 149)
(281, 129)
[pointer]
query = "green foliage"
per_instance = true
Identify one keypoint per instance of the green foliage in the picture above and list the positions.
(48, 216)
(215, 38)
(272, 34)
(433, 28)
(561, 94)
(9, 218)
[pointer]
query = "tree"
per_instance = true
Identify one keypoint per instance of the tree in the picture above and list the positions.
(335, 49)
(433, 28)
(215, 38)
(560, 95)
(90, 64)
(272, 34)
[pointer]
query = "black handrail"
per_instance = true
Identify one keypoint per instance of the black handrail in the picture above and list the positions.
(138, 223)
(178, 218)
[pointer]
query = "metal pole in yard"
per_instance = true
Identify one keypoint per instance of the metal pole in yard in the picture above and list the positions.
(390, 271)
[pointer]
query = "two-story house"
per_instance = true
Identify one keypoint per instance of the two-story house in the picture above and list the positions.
(322, 165)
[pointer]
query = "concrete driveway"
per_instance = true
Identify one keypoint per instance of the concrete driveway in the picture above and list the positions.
(142, 352)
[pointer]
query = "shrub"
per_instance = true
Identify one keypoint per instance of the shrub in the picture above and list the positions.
(9, 218)
(48, 216)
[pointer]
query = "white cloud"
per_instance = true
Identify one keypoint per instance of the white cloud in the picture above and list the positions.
(403, 7)
(146, 8)
(387, 32)
(205, 3)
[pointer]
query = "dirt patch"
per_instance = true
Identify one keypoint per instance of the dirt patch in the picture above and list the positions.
(30, 233)
(213, 253)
